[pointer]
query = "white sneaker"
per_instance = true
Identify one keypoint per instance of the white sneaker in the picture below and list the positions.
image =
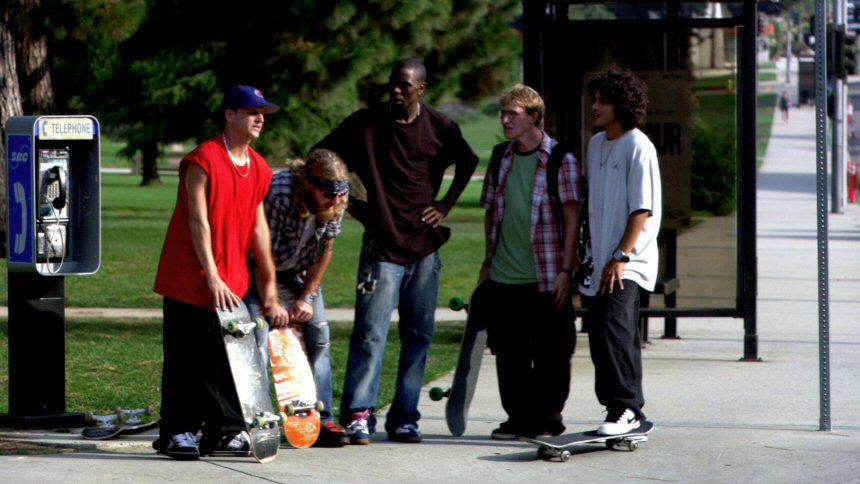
(619, 422)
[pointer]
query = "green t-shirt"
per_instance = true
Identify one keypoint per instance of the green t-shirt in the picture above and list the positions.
(514, 260)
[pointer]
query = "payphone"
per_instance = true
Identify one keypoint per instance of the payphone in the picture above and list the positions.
(54, 221)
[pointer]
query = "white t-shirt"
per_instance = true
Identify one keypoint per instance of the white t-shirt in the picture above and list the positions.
(623, 177)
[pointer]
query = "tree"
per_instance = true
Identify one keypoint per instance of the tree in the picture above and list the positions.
(31, 45)
(318, 59)
(10, 102)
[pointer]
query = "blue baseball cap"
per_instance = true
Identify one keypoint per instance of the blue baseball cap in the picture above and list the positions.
(247, 97)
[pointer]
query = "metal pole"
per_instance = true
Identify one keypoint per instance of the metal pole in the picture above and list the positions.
(788, 52)
(748, 263)
(837, 202)
(821, 179)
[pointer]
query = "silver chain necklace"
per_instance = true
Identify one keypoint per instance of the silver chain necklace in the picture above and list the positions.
(611, 146)
(236, 164)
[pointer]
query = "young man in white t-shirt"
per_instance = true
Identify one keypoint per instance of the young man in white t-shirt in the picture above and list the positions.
(625, 203)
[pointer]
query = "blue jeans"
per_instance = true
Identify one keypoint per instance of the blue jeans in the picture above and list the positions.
(317, 342)
(380, 285)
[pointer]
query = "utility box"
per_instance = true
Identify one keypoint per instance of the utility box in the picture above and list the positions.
(54, 218)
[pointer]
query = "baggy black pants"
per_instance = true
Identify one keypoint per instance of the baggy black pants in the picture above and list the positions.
(613, 337)
(533, 342)
(196, 384)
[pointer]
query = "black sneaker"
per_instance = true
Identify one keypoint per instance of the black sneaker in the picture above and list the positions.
(407, 433)
(179, 446)
(230, 445)
(331, 435)
(507, 431)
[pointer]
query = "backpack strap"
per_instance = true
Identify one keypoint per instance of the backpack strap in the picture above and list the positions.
(496, 160)
(553, 167)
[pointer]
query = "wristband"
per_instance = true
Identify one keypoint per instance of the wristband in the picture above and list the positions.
(567, 270)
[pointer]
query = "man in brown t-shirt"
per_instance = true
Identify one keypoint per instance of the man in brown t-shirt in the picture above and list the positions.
(399, 150)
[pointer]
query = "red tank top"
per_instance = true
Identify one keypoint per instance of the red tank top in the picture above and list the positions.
(232, 208)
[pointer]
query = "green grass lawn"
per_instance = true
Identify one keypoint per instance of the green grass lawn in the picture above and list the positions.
(112, 363)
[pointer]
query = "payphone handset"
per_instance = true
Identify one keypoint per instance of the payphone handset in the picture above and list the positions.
(53, 210)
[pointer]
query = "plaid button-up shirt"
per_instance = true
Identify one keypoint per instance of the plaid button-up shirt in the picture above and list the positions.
(548, 249)
(287, 227)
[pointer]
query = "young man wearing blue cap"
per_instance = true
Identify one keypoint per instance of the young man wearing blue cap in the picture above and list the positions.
(219, 220)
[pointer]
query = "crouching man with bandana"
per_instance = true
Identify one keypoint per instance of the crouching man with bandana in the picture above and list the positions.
(304, 208)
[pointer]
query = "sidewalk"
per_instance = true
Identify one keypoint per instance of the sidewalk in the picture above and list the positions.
(718, 419)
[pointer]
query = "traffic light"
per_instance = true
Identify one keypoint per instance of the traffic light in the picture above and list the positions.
(849, 54)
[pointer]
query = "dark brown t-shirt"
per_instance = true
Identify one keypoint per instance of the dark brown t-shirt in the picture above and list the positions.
(401, 166)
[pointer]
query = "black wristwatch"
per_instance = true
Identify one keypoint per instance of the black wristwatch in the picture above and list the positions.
(621, 256)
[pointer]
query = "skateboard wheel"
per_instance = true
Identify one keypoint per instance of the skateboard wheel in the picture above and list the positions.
(257, 422)
(290, 409)
(437, 394)
(632, 445)
(320, 406)
(232, 327)
(456, 304)
(261, 323)
(564, 456)
(282, 417)
(610, 444)
(542, 452)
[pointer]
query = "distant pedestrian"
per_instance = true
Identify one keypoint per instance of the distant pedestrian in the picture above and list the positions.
(784, 103)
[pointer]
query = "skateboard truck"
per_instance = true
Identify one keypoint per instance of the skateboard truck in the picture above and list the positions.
(127, 416)
(268, 420)
(237, 329)
(297, 407)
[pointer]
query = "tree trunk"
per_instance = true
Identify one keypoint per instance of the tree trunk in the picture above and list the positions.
(149, 163)
(10, 105)
(32, 49)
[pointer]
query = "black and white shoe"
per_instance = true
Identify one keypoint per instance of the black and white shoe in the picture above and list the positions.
(229, 445)
(179, 446)
(619, 421)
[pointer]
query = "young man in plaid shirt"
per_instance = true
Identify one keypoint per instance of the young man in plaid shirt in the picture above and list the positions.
(528, 265)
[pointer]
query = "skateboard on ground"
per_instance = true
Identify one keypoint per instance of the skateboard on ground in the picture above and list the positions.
(248, 369)
(294, 386)
(468, 365)
(550, 447)
(123, 422)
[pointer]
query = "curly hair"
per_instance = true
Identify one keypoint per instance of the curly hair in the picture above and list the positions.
(324, 164)
(625, 92)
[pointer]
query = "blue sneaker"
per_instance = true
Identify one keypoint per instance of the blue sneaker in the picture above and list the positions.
(357, 430)
(407, 433)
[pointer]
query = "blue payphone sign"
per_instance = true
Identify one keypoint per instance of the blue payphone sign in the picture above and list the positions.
(20, 163)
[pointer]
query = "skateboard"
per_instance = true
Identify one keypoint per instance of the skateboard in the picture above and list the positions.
(294, 386)
(468, 365)
(247, 367)
(123, 422)
(106, 432)
(550, 447)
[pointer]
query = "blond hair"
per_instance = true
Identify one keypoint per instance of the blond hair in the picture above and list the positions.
(526, 98)
(323, 164)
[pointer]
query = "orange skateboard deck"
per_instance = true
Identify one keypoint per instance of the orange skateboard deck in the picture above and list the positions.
(294, 386)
